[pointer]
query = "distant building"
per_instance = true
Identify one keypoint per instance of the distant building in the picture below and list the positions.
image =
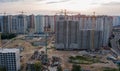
(67, 34)
(82, 32)
(22, 24)
(1, 22)
(14, 25)
(107, 29)
(116, 20)
(6, 24)
(31, 23)
(10, 59)
(116, 33)
(30, 66)
(50, 22)
(18, 24)
(39, 24)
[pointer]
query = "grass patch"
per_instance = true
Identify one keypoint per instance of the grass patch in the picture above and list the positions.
(109, 69)
(83, 60)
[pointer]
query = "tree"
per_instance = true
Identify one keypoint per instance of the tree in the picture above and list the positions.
(59, 68)
(110, 69)
(2, 69)
(38, 66)
(119, 41)
(76, 67)
(119, 66)
(7, 36)
(109, 43)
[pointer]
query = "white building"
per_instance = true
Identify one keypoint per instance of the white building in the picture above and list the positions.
(116, 20)
(21, 24)
(10, 59)
(39, 24)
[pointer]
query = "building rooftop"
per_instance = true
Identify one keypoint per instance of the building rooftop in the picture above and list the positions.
(2, 50)
(116, 27)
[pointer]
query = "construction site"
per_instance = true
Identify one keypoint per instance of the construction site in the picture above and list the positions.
(72, 31)
(30, 54)
(78, 39)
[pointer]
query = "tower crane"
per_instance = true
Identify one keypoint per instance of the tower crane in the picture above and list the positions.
(22, 12)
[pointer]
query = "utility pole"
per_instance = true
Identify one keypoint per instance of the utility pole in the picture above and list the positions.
(0, 40)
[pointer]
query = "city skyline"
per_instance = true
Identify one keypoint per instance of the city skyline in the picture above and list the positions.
(101, 7)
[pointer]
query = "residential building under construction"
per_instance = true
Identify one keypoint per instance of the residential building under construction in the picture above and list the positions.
(83, 32)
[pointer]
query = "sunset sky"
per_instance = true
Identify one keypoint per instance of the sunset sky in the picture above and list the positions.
(106, 7)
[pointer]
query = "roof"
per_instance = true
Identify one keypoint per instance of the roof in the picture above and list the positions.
(2, 50)
(118, 26)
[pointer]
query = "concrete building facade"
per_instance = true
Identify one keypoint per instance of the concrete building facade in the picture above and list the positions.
(10, 59)
(85, 32)
(116, 20)
(39, 24)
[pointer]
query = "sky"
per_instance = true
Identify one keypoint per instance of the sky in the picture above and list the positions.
(100, 7)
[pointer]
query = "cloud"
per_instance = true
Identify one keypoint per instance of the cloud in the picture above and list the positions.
(60, 1)
(111, 3)
(4, 1)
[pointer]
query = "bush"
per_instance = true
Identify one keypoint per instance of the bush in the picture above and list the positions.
(59, 68)
(76, 68)
(110, 69)
(119, 41)
(7, 36)
(38, 66)
(2, 68)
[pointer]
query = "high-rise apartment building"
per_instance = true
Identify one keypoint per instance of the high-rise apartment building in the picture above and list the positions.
(5, 24)
(31, 23)
(21, 24)
(1, 22)
(10, 59)
(13, 24)
(84, 32)
(107, 29)
(39, 24)
(49, 22)
(66, 34)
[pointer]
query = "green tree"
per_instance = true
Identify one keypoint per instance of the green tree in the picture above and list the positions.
(59, 68)
(119, 41)
(76, 67)
(119, 66)
(38, 66)
(2, 69)
(110, 69)
(7, 36)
